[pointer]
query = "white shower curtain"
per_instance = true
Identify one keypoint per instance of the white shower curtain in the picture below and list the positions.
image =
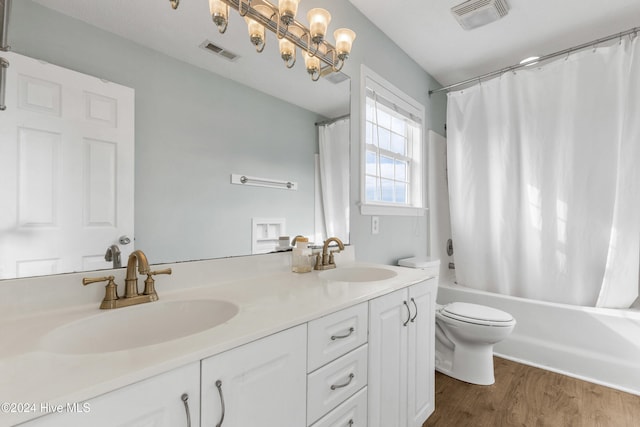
(544, 179)
(334, 177)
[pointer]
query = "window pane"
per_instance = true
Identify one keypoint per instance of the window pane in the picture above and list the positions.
(384, 138)
(386, 167)
(371, 163)
(387, 190)
(371, 190)
(398, 125)
(401, 170)
(369, 133)
(401, 192)
(398, 144)
(369, 113)
(384, 119)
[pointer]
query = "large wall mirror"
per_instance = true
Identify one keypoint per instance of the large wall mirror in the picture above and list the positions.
(199, 118)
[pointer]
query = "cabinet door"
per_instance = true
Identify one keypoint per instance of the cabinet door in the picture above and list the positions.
(262, 383)
(155, 402)
(388, 360)
(420, 345)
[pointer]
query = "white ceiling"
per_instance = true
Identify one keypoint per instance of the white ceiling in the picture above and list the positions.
(427, 31)
(424, 29)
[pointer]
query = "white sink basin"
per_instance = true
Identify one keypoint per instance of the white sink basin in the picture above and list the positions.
(137, 326)
(357, 274)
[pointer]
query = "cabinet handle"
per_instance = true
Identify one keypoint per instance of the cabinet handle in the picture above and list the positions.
(336, 386)
(185, 398)
(416, 306)
(350, 423)
(408, 313)
(339, 337)
(219, 385)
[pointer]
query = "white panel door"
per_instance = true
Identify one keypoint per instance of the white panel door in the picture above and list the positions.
(263, 383)
(66, 169)
(420, 346)
(155, 402)
(388, 326)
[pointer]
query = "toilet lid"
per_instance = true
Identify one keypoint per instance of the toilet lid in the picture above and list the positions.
(479, 314)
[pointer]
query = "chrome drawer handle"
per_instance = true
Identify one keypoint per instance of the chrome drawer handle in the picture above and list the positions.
(185, 398)
(408, 313)
(219, 385)
(336, 386)
(416, 306)
(339, 337)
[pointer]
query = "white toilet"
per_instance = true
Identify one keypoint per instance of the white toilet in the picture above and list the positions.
(466, 334)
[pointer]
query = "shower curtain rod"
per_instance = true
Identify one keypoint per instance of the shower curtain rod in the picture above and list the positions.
(594, 43)
(328, 122)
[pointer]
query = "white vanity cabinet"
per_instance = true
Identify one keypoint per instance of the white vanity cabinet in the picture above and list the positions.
(337, 365)
(155, 402)
(262, 383)
(401, 356)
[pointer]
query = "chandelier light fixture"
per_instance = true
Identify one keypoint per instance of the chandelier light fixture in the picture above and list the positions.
(320, 56)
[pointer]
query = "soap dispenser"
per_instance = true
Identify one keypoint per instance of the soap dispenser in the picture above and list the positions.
(301, 256)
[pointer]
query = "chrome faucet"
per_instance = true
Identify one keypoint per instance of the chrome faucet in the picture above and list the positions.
(113, 255)
(325, 260)
(137, 259)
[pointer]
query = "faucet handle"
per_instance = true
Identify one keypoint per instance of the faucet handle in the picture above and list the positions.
(149, 283)
(110, 291)
(165, 271)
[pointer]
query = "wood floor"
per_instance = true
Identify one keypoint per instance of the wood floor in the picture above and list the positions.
(531, 397)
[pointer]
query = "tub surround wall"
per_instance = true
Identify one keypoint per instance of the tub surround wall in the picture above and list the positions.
(594, 344)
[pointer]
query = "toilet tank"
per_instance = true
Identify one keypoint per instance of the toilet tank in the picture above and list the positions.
(423, 263)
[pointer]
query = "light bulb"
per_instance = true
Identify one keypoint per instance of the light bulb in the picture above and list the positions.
(344, 40)
(318, 22)
(287, 52)
(288, 10)
(219, 14)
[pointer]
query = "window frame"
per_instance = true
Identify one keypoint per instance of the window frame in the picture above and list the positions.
(418, 165)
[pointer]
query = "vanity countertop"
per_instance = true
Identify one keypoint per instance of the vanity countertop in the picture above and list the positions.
(267, 304)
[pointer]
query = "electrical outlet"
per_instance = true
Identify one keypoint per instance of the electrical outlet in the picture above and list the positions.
(375, 225)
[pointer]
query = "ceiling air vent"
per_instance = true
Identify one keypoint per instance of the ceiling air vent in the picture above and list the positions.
(476, 13)
(220, 51)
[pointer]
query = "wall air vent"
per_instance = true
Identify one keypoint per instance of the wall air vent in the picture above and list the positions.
(220, 51)
(476, 13)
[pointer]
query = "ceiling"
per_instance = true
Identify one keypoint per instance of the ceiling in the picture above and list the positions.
(427, 31)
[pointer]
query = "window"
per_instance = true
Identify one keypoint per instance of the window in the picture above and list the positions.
(392, 177)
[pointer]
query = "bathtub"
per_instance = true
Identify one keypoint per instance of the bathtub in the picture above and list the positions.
(594, 344)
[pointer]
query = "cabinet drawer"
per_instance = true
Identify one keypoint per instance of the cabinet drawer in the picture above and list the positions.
(332, 384)
(336, 334)
(351, 413)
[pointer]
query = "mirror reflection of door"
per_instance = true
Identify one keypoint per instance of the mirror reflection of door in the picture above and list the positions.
(66, 170)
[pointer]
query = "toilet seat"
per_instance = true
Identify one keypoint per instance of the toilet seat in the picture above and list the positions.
(477, 314)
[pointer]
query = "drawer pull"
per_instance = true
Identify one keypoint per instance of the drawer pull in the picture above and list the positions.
(416, 306)
(337, 386)
(185, 398)
(219, 385)
(408, 313)
(339, 337)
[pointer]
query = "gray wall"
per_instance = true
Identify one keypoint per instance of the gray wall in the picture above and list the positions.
(399, 236)
(193, 129)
